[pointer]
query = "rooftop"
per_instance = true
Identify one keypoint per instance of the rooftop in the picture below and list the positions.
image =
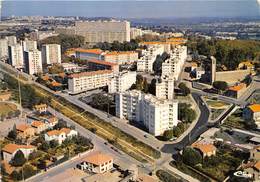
(90, 73)
(254, 107)
(204, 147)
(54, 132)
(102, 62)
(257, 165)
(22, 127)
(237, 87)
(91, 51)
(119, 53)
(36, 124)
(97, 158)
(11, 148)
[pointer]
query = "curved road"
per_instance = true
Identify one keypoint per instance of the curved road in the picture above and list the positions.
(199, 128)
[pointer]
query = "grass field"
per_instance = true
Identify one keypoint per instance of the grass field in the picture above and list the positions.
(5, 108)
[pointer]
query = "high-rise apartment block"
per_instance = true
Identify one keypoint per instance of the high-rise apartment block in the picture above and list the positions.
(173, 65)
(11, 40)
(33, 61)
(15, 53)
(29, 45)
(145, 63)
(51, 54)
(164, 88)
(122, 82)
(3, 48)
(157, 115)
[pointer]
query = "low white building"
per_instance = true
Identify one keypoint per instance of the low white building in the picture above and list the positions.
(10, 150)
(70, 67)
(145, 63)
(122, 82)
(164, 88)
(97, 163)
(60, 135)
(81, 82)
(157, 115)
(252, 112)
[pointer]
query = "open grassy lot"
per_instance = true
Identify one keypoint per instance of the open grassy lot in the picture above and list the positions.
(5, 108)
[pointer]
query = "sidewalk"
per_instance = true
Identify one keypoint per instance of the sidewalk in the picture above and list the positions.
(176, 171)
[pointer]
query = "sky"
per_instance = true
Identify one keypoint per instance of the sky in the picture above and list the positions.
(134, 8)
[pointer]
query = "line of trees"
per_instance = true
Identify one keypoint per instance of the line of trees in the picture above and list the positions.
(117, 46)
(66, 41)
(227, 52)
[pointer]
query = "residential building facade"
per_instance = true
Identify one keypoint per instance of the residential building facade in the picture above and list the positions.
(10, 150)
(15, 53)
(145, 63)
(33, 61)
(103, 31)
(164, 88)
(122, 82)
(174, 64)
(97, 163)
(51, 54)
(81, 82)
(3, 48)
(252, 112)
(157, 115)
(29, 45)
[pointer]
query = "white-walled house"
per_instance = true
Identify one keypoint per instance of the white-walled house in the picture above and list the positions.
(97, 163)
(10, 150)
(60, 135)
(252, 112)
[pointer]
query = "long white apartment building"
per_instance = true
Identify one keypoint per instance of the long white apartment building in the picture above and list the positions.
(99, 31)
(51, 54)
(122, 82)
(81, 82)
(164, 88)
(33, 61)
(145, 63)
(15, 54)
(157, 115)
(29, 45)
(173, 65)
(3, 48)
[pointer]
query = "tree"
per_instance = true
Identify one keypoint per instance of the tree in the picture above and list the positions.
(54, 143)
(61, 124)
(28, 171)
(157, 65)
(16, 175)
(18, 159)
(191, 156)
(44, 146)
(220, 85)
(152, 87)
(186, 113)
(168, 134)
(56, 69)
(184, 89)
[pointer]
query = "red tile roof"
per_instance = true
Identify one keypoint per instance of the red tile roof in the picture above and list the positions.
(90, 73)
(11, 148)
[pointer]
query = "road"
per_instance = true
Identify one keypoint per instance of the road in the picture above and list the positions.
(99, 145)
(199, 128)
